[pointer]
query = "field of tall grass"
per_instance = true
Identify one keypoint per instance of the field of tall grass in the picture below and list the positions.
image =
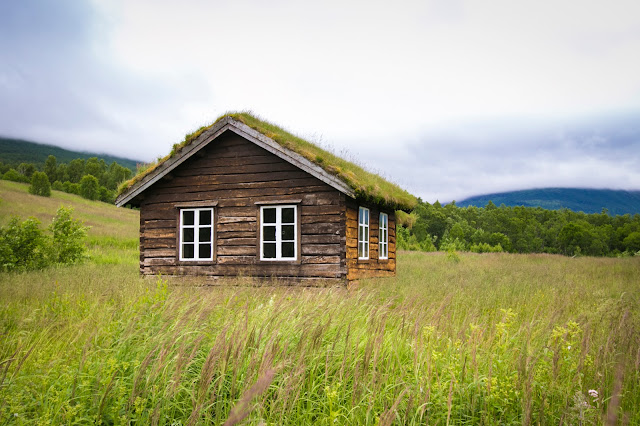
(468, 339)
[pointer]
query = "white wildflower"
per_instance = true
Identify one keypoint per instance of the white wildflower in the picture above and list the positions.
(593, 393)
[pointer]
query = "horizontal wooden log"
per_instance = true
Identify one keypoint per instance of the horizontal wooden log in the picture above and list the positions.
(224, 250)
(198, 175)
(223, 234)
(163, 252)
(321, 259)
(324, 218)
(320, 228)
(321, 249)
(158, 243)
(321, 239)
(237, 226)
(237, 241)
(263, 269)
(156, 224)
(150, 234)
(199, 193)
(236, 219)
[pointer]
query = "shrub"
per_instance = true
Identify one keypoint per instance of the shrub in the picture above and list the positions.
(57, 185)
(67, 237)
(89, 187)
(452, 244)
(22, 245)
(71, 188)
(40, 184)
(14, 176)
(485, 248)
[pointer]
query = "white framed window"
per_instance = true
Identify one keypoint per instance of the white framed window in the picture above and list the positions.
(279, 232)
(383, 239)
(196, 234)
(363, 233)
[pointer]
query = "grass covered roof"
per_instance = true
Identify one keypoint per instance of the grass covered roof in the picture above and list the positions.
(365, 185)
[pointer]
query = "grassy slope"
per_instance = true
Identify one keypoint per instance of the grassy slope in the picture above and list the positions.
(490, 339)
(577, 199)
(111, 230)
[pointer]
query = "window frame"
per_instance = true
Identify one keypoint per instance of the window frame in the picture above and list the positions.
(196, 235)
(278, 233)
(383, 243)
(364, 212)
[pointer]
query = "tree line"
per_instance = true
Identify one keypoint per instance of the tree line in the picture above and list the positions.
(431, 227)
(91, 178)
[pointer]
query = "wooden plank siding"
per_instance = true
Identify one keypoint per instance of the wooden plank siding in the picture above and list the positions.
(372, 267)
(237, 174)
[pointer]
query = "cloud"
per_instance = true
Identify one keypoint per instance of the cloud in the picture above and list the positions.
(449, 98)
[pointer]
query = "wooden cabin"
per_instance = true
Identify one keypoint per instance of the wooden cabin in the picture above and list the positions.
(243, 197)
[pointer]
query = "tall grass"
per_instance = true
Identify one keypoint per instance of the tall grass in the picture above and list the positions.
(490, 339)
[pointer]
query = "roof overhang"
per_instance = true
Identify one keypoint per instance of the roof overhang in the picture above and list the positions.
(229, 124)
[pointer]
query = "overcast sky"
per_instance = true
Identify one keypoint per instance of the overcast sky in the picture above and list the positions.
(447, 98)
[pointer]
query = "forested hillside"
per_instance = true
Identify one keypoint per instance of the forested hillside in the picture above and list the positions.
(93, 178)
(16, 151)
(617, 202)
(517, 230)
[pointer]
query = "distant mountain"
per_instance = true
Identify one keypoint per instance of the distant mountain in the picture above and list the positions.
(586, 200)
(21, 151)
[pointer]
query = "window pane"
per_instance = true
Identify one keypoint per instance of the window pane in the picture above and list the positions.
(204, 251)
(288, 215)
(269, 215)
(269, 250)
(187, 217)
(366, 217)
(287, 249)
(366, 234)
(360, 249)
(287, 232)
(205, 217)
(360, 233)
(204, 235)
(187, 235)
(187, 251)
(361, 215)
(268, 233)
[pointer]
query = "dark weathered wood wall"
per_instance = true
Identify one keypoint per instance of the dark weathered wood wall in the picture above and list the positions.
(236, 174)
(372, 267)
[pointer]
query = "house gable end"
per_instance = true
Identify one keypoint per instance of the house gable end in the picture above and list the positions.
(228, 124)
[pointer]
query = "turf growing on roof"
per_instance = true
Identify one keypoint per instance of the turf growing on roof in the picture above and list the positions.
(367, 186)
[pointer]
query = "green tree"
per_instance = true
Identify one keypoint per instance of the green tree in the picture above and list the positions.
(26, 169)
(75, 169)
(89, 187)
(51, 168)
(40, 184)
(95, 167)
(68, 237)
(632, 242)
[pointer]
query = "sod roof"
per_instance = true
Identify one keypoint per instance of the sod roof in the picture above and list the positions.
(364, 185)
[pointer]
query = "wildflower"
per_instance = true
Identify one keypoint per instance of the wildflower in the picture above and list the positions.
(593, 393)
(569, 347)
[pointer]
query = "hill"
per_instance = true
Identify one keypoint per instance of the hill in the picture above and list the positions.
(21, 151)
(617, 202)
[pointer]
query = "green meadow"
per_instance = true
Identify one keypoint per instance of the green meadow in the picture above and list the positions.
(454, 339)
